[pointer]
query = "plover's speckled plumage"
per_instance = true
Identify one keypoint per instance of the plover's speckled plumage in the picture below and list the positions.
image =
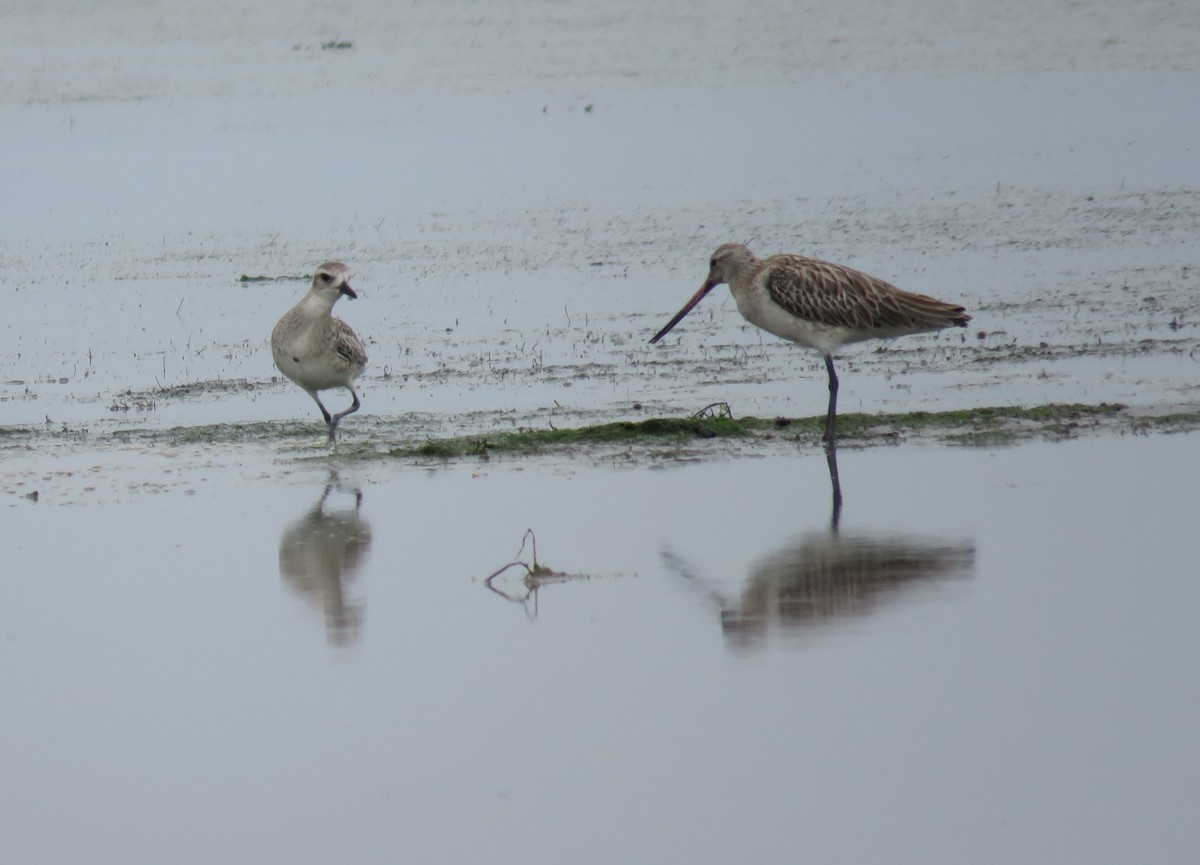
(316, 350)
(819, 305)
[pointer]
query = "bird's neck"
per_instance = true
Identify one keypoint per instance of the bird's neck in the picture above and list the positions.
(740, 279)
(317, 304)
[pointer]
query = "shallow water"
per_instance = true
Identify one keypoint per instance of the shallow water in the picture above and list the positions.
(219, 658)
(253, 652)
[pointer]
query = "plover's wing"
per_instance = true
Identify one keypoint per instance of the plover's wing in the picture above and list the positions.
(347, 344)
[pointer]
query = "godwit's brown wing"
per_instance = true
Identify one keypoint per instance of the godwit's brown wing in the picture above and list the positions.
(840, 296)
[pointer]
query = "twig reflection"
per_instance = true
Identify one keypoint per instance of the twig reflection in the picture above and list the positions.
(536, 576)
(320, 554)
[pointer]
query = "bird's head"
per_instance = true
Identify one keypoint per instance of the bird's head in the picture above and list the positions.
(727, 262)
(331, 280)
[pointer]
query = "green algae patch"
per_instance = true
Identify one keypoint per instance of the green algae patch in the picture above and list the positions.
(991, 420)
(996, 426)
(707, 434)
(287, 277)
(653, 430)
(1168, 423)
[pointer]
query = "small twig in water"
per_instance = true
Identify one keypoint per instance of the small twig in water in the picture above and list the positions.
(536, 575)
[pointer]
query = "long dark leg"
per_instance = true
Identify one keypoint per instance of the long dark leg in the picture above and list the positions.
(321, 406)
(831, 444)
(333, 422)
(836, 482)
(831, 417)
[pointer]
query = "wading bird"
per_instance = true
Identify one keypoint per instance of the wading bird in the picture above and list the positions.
(316, 350)
(819, 305)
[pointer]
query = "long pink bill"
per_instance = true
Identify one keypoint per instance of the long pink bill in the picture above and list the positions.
(687, 307)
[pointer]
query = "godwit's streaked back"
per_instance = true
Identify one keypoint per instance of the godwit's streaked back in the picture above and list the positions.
(819, 305)
(316, 350)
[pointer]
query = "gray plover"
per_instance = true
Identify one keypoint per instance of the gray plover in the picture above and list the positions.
(819, 305)
(316, 350)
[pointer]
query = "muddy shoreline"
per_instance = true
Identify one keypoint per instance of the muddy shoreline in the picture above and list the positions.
(710, 433)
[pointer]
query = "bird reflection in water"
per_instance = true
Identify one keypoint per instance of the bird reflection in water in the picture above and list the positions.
(829, 577)
(320, 554)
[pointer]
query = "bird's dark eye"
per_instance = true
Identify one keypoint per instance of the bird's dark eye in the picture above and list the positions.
(326, 278)
(712, 263)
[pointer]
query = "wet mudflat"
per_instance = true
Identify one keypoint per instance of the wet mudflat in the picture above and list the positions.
(518, 228)
(217, 642)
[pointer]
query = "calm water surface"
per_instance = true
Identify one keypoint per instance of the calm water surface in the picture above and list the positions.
(245, 668)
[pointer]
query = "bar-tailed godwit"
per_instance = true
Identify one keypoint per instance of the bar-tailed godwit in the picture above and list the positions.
(819, 305)
(316, 350)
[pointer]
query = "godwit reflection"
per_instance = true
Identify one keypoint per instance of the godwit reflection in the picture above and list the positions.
(320, 554)
(830, 576)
